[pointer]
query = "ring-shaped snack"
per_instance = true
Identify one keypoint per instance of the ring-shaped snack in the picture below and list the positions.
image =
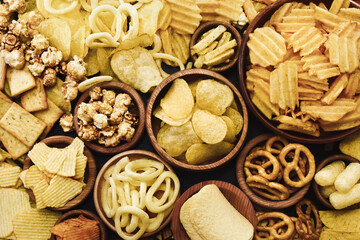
(102, 39)
(261, 169)
(97, 26)
(128, 11)
(281, 221)
(48, 7)
(134, 211)
(137, 169)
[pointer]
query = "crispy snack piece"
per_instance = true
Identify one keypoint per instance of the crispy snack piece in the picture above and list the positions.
(35, 99)
(304, 226)
(273, 231)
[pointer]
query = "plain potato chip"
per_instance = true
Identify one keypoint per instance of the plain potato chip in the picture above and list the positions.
(92, 66)
(236, 117)
(209, 127)
(160, 114)
(341, 220)
(334, 234)
(56, 95)
(231, 131)
(178, 102)
(202, 152)
(351, 145)
(213, 96)
(176, 140)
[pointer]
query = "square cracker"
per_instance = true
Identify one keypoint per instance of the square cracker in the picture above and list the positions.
(15, 148)
(22, 125)
(5, 104)
(19, 80)
(35, 99)
(49, 116)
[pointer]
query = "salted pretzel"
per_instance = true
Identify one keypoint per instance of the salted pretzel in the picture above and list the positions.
(261, 167)
(304, 226)
(274, 225)
(275, 144)
(293, 165)
(270, 190)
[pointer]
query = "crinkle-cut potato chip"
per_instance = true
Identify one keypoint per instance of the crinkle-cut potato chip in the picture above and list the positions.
(327, 18)
(68, 166)
(236, 117)
(298, 123)
(231, 131)
(257, 74)
(319, 65)
(176, 140)
(210, 128)
(266, 47)
(38, 190)
(137, 68)
(341, 220)
(178, 102)
(9, 176)
(261, 99)
(34, 224)
(213, 96)
(80, 166)
(283, 11)
(351, 145)
(58, 37)
(160, 114)
(54, 160)
(12, 202)
(288, 127)
(307, 40)
(352, 14)
(335, 89)
(201, 152)
(32, 177)
(313, 81)
(164, 17)
(353, 84)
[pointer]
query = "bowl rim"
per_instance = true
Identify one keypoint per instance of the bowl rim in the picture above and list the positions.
(263, 202)
(205, 26)
(90, 165)
(113, 161)
(77, 212)
(171, 160)
(176, 225)
(315, 187)
(294, 136)
(119, 87)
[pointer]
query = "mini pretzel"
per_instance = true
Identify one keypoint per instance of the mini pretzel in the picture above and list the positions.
(304, 226)
(270, 190)
(294, 164)
(275, 144)
(261, 169)
(273, 230)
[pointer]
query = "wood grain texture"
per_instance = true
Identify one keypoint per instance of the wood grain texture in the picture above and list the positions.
(206, 26)
(324, 201)
(153, 124)
(76, 213)
(133, 155)
(259, 200)
(139, 109)
(243, 63)
(233, 194)
(89, 177)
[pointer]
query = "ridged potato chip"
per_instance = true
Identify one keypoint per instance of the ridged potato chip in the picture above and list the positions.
(178, 102)
(202, 152)
(213, 96)
(9, 175)
(176, 140)
(209, 127)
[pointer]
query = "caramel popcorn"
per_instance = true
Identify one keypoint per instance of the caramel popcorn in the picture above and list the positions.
(51, 57)
(15, 5)
(49, 78)
(110, 115)
(67, 122)
(36, 68)
(76, 69)
(15, 59)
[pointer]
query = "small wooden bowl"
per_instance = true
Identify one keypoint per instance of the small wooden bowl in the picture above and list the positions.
(244, 62)
(233, 194)
(89, 177)
(139, 110)
(206, 26)
(76, 213)
(324, 201)
(259, 200)
(133, 155)
(153, 124)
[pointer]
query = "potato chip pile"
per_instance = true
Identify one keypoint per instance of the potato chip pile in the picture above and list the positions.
(57, 174)
(77, 229)
(138, 195)
(305, 67)
(342, 224)
(202, 129)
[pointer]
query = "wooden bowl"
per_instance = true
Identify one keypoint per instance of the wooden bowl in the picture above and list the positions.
(206, 26)
(324, 201)
(138, 109)
(233, 194)
(89, 177)
(244, 62)
(76, 213)
(133, 155)
(153, 124)
(259, 200)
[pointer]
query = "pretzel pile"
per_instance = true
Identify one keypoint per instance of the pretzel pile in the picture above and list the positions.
(277, 225)
(278, 168)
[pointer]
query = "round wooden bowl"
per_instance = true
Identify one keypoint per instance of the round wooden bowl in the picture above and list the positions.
(233, 194)
(138, 109)
(206, 26)
(153, 124)
(259, 200)
(133, 155)
(324, 201)
(244, 62)
(89, 177)
(76, 213)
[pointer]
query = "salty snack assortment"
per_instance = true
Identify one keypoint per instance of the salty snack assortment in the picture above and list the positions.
(305, 67)
(276, 168)
(138, 195)
(200, 120)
